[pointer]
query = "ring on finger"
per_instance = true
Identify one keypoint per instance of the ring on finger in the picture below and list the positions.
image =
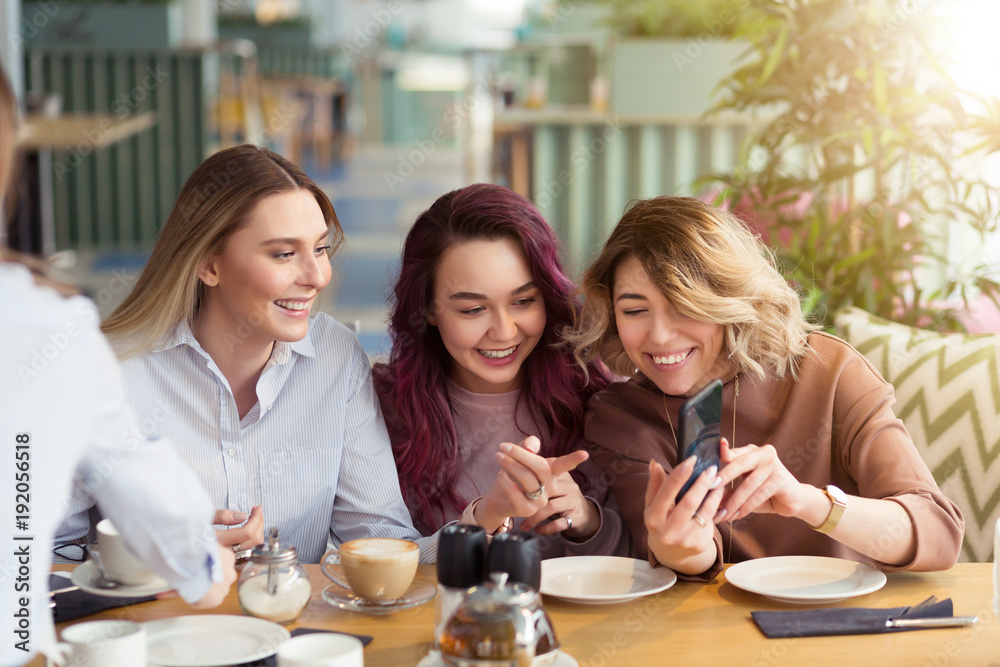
(569, 522)
(536, 494)
(236, 548)
(701, 521)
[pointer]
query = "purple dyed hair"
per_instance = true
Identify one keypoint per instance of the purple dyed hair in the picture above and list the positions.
(411, 386)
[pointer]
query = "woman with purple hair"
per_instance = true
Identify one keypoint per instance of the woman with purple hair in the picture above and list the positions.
(477, 365)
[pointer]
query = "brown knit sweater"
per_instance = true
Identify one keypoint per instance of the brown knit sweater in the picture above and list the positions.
(835, 425)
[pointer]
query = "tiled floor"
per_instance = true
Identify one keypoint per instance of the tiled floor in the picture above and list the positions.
(375, 218)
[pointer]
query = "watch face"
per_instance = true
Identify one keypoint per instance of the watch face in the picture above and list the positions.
(838, 496)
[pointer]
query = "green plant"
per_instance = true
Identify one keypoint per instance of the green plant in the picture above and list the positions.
(856, 174)
(674, 18)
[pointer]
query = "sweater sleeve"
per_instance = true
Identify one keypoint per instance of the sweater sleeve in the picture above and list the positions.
(878, 453)
(611, 539)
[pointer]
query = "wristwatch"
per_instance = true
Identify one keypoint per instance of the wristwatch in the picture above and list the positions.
(839, 500)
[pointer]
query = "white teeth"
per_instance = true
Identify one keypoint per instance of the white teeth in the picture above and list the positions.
(498, 354)
(671, 359)
(293, 305)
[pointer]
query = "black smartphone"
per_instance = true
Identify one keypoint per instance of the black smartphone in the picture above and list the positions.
(701, 430)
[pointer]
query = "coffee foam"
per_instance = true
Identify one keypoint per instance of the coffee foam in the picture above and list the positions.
(375, 547)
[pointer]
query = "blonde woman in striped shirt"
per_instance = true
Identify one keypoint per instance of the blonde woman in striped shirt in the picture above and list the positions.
(273, 409)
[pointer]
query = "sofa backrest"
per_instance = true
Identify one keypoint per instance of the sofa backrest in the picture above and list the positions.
(948, 396)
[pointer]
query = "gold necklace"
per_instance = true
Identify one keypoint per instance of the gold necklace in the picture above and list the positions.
(732, 443)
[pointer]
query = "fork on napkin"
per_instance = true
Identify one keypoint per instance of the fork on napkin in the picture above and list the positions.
(858, 620)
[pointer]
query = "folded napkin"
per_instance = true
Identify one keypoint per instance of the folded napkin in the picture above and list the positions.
(72, 605)
(840, 620)
(272, 661)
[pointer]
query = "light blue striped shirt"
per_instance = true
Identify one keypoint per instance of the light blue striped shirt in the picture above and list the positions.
(313, 451)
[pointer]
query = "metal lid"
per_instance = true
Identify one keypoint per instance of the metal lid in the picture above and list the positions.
(272, 552)
(496, 594)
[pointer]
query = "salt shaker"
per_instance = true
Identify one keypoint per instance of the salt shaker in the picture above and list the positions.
(274, 585)
(461, 564)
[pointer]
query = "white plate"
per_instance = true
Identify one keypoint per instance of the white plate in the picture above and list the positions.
(85, 575)
(433, 659)
(603, 579)
(805, 579)
(211, 639)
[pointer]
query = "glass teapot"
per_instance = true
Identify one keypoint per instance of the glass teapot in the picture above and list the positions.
(499, 624)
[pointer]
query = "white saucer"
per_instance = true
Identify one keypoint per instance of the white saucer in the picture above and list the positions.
(603, 579)
(211, 639)
(418, 593)
(85, 575)
(805, 579)
(434, 659)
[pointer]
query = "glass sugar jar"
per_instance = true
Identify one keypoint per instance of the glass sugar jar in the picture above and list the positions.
(274, 585)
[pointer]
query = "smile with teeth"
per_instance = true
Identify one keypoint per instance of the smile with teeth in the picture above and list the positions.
(498, 354)
(293, 305)
(671, 359)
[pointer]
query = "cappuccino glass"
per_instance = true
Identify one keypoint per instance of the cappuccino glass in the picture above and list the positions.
(118, 563)
(378, 569)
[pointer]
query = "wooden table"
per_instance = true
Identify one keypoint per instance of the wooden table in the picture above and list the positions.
(688, 624)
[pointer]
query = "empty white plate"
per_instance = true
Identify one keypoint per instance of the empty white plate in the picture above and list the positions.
(210, 639)
(805, 579)
(603, 579)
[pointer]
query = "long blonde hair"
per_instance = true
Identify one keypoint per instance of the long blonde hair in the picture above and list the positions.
(8, 132)
(711, 268)
(215, 202)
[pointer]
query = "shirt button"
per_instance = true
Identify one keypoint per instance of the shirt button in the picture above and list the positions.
(232, 451)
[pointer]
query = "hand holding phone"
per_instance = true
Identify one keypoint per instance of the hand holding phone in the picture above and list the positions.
(701, 431)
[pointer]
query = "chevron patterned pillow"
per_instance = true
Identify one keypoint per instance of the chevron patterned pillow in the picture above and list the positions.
(948, 396)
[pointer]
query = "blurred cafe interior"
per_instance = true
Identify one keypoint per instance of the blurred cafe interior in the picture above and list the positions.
(859, 138)
(582, 105)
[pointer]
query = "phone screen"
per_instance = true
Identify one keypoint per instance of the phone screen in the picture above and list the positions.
(701, 430)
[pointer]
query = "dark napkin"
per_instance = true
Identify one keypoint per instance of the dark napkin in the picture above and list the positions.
(72, 605)
(272, 661)
(840, 620)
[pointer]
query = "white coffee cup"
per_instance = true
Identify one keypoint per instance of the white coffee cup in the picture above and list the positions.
(321, 649)
(104, 644)
(118, 563)
(379, 569)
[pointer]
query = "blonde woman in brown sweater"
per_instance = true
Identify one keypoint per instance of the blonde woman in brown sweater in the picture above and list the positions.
(813, 459)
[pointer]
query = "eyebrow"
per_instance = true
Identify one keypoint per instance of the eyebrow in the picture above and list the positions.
(289, 240)
(473, 296)
(630, 296)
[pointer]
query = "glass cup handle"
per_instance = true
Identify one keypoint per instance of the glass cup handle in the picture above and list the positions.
(332, 557)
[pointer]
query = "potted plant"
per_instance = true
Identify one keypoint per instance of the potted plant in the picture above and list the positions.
(147, 23)
(856, 173)
(668, 55)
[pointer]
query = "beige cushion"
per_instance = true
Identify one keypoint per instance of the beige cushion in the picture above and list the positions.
(948, 396)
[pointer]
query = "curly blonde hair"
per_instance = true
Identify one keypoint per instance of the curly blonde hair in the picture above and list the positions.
(711, 268)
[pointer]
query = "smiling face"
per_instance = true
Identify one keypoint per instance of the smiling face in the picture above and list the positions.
(489, 312)
(678, 354)
(262, 284)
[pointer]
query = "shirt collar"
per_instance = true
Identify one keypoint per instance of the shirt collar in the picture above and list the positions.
(182, 335)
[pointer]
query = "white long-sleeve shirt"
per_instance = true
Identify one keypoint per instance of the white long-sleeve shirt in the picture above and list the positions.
(313, 451)
(63, 412)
